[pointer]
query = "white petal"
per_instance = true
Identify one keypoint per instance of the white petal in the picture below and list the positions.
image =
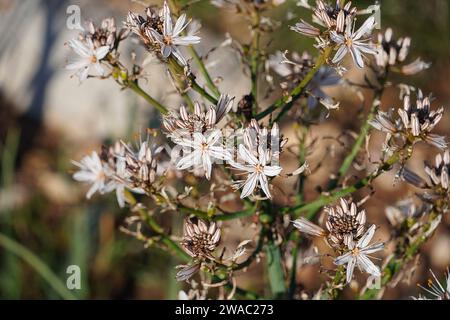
(306, 226)
(264, 183)
(186, 40)
(83, 74)
(368, 266)
(365, 28)
(101, 52)
(247, 156)
(207, 165)
(99, 68)
(82, 63)
(344, 259)
(249, 185)
(357, 57)
(167, 27)
(178, 55)
(372, 248)
(350, 269)
(365, 239)
(272, 171)
(213, 137)
(188, 161)
(339, 39)
(340, 54)
(179, 25)
(166, 51)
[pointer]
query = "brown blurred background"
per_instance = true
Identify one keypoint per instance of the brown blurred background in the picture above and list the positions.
(47, 118)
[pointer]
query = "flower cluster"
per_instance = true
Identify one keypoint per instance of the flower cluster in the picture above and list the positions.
(395, 51)
(161, 35)
(340, 31)
(94, 46)
(216, 148)
(346, 233)
(119, 168)
(414, 122)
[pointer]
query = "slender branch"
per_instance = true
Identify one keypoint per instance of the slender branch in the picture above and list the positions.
(201, 90)
(324, 200)
(178, 72)
(286, 102)
(236, 215)
(209, 82)
(363, 133)
(151, 222)
(133, 85)
(275, 270)
(37, 264)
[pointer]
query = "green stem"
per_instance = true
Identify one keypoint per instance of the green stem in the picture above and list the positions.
(178, 71)
(275, 270)
(322, 201)
(37, 264)
(133, 85)
(286, 102)
(209, 82)
(235, 215)
(202, 91)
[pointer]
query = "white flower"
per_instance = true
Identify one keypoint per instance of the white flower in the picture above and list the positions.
(258, 170)
(89, 56)
(351, 42)
(93, 171)
(205, 149)
(359, 255)
(172, 37)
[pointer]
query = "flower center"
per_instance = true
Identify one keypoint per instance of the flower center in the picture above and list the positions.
(204, 146)
(355, 251)
(259, 168)
(349, 42)
(93, 59)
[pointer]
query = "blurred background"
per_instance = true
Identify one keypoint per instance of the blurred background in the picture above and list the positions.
(47, 119)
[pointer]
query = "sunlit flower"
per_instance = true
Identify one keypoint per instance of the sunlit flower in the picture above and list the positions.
(203, 150)
(93, 171)
(353, 42)
(359, 254)
(89, 56)
(185, 124)
(344, 225)
(258, 170)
